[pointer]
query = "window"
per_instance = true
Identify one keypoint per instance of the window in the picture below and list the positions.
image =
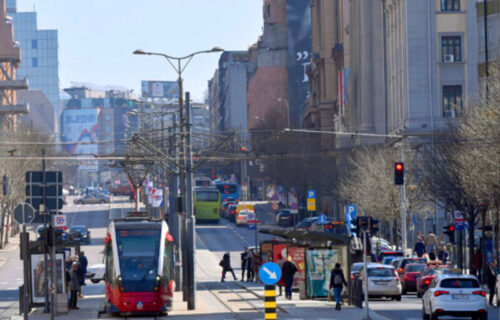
(34, 44)
(450, 5)
(452, 100)
(451, 48)
(34, 62)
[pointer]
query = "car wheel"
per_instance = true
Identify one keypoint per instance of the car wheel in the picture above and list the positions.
(79, 202)
(102, 202)
(419, 294)
(88, 240)
(404, 291)
(397, 298)
(95, 280)
(425, 316)
(433, 316)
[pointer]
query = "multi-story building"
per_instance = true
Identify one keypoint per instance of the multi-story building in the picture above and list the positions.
(40, 119)
(10, 58)
(432, 67)
(228, 93)
(40, 55)
(493, 36)
(329, 68)
(200, 119)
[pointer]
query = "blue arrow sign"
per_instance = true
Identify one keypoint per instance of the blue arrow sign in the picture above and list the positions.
(270, 273)
(351, 210)
(321, 218)
(251, 226)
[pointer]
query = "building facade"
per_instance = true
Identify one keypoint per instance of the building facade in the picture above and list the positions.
(493, 36)
(40, 55)
(40, 119)
(10, 80)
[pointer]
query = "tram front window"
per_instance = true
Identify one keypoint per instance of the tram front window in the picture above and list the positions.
(138, 253)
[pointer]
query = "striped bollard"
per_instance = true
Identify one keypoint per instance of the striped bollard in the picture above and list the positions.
(270, 302)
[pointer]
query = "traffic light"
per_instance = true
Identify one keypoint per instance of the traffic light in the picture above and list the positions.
(449, 230)
(363, 224)
(373, 227)
(399, 173)
(243, 149)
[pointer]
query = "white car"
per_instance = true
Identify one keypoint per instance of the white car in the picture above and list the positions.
(95, 273)
(243, 216)
(455, 295)
(383, 281)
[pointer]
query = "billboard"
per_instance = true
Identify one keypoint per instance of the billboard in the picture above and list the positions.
(38, 276)
(298, 16)
(160, 89)
(319, 264)
(79, 133)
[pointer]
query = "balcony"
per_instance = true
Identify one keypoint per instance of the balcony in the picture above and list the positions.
(14, 84)
(14, 109)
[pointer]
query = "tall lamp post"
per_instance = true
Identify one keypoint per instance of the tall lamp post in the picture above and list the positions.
(187, 219)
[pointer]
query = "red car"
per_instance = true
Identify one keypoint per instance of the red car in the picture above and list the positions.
(410, 275)
(429, 273)
(400, 266)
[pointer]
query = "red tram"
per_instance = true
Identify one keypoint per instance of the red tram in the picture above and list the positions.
(139, 266)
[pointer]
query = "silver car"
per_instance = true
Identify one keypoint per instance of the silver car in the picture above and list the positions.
(383, 281)
(93, 198)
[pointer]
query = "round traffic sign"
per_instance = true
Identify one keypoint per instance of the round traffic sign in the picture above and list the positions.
(270, 273)
(275, 197)
(321, 218)
(294, 206)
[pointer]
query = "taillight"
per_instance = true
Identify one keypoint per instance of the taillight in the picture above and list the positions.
(427, 281)
(352, 276)
(171, 287)
(240, 217)
(440, 292)
(328, 226)
(407, 277)
(479, 292)
(400, 270)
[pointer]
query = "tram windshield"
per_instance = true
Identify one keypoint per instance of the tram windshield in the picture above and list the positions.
(138, 252)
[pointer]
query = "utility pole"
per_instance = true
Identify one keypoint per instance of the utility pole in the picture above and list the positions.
(174, 215)
(404, 244)
(190, 219)
(46, 240)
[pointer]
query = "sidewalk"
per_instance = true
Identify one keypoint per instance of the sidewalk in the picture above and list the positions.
(305, 308)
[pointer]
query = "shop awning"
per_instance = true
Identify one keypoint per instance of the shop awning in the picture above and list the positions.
(304, 235)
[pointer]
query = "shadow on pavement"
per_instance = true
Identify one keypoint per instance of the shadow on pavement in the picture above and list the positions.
(9, 295)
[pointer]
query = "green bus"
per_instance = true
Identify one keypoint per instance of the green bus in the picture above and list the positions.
(206, 204)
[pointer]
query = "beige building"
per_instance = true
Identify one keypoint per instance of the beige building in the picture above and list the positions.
(493, 27)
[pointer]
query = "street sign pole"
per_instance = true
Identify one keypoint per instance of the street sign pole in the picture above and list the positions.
(46, 239)
(365, 261)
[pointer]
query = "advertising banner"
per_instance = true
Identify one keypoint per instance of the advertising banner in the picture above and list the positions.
(160, 89)
(319, 264)
(38, 276)
(298, 17)
(279, 249)
(298, 255)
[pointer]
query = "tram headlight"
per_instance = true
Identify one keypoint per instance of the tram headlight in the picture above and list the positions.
(120, 284)
(157, 283)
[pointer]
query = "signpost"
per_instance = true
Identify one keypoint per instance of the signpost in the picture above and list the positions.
(60, 221)
(23, 214)
(351, 210)
(270, 273)
(311, 200)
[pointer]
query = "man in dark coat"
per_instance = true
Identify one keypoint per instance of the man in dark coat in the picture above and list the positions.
(420, 248)
(226, 266)
(287, 272)
(74, 285)
(443, 255)
(83, 262)
(491, 279)
(337, 281)
(244, 256)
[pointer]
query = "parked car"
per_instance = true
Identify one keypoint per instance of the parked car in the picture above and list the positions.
(410, 275)
(355, 269)
(330, 225)
(428, 274)
(284, 218)
(383, 281)
(455, 295)
(400, 267)
(243, 216)
(306, 223)
(95, 273)
(93, 198)
(79, 233)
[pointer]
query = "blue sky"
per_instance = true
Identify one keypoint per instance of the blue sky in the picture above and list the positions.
(97, 37)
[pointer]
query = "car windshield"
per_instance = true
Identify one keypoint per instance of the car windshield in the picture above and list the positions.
(459, 283)
(138, 250)
(432, 272)
(381, 272)
(416, 267)
(77, 229)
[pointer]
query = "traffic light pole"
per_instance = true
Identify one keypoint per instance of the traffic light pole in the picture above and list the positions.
(404, 244)
(365, 261)
(46, 240)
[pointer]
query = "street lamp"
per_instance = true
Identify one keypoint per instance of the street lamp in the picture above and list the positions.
(187, 220)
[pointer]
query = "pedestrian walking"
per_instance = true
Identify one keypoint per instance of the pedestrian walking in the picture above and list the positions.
(281, 282)
(337, 283)
(491, 279)
(79, 274)
(244, 256)
(477, 263)
(420, 248)
(288, 271)
(443, 254)
(83, 262)
(225, 263)
(74, 286)
(432, 255)
(249, 265)
(256, 266)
